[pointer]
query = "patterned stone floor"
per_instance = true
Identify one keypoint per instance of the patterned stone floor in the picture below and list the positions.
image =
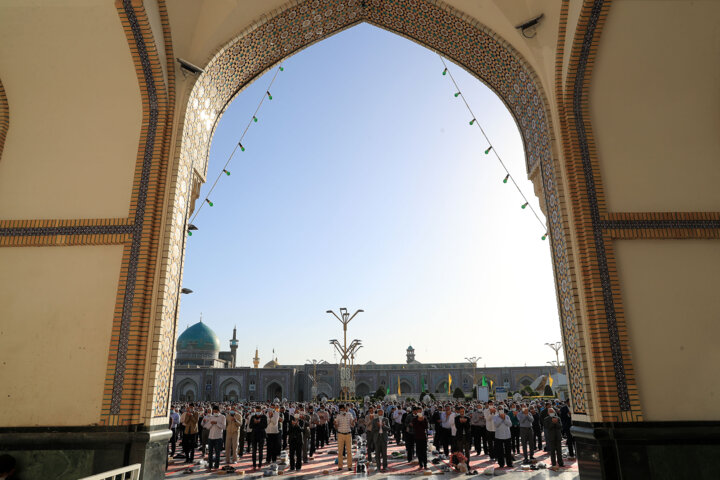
(323, 465)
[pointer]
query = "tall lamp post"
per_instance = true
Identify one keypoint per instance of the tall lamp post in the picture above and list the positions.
(473, 361)
(557, 346)
(314, 376)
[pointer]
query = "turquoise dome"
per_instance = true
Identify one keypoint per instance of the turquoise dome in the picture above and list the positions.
(198, 337)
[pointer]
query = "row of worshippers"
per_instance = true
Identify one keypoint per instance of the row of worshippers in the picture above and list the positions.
(498, 430)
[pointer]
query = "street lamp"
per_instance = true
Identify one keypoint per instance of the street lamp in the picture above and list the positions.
(556, 348)
(314, 375)
(345, 350)
(473, 361)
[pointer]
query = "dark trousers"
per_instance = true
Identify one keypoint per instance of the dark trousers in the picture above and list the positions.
(322, 433)
(437, 438)
(295, 454)
(273, 447)
(502, 452)
(173, 441)
(445, 439)
(491, 445)
(215, 446)
(409, 446)
(397, 430)
(463, 445)
(189, 443)
(515, 439)
(555, 451)
(527, 440)
(421, 445)
(537, 434)
(313, 440)
(479, 439)
(570, 444)
(285, 439)
(258, 442)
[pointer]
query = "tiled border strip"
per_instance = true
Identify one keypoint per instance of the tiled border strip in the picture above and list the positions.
(132, 264)
(4, 117)
(662, 225)
(581, 116)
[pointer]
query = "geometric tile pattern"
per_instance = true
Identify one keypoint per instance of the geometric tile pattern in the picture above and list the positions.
(437, 27)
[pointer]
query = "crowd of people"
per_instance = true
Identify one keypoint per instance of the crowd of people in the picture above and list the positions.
(499, 430)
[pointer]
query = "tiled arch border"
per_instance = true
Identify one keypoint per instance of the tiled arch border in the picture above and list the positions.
(4, 117)
(431, 24)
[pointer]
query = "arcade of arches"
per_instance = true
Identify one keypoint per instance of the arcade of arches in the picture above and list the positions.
(104, 145)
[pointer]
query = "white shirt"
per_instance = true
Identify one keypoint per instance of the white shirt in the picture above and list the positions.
(344, 422)
(489, 423)
(448, 421)
(272, 426)
(216, 429)
(397, 416)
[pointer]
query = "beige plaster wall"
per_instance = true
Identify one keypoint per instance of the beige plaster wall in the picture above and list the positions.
(75, 111)
(672, 305)
(655, 105)
(56, 311)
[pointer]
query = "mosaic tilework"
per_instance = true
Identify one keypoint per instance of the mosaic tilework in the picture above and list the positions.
(434, 26)
(4, 117)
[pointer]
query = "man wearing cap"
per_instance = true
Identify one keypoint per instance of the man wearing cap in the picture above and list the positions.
(233, 423)
(344, 423)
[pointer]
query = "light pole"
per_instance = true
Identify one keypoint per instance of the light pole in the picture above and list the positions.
(344, 351)
(314, 375)
(556, 348)
(473, 361)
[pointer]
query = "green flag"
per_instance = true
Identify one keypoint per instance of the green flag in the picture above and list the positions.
(424, 385)
(484, 381)
(388, 391)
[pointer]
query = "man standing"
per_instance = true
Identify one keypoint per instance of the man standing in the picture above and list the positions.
(543, 415)
(553, 436)
(369, 433)
(322, 431)
(344, 424)
(285, 416)
(462, 433)
(189, 419)
(419, 425)
(525, 420)
(397, 424)
(566, 419)
(272, 432)
(409, 433)
(214, 424)
(477, 429)
(447, 424)
(514, 430)
(295, 437)
(174, 421)
(381, 431)
(502, 439)
(233, 426)
(537, 429)
(490, 425)
(314, 421)
(258, 424)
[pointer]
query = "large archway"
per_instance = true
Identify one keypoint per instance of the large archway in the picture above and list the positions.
(434, 26)
(273, 390)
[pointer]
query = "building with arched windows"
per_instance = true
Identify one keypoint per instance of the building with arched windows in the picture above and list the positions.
(202, 373)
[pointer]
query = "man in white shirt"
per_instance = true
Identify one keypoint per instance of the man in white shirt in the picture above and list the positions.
(490, 426)
(397, 423)
(215, 424)
(447, 423)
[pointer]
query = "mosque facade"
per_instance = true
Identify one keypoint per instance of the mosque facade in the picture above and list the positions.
(205, 373)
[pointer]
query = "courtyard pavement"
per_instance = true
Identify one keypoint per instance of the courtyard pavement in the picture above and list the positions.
(323, 465)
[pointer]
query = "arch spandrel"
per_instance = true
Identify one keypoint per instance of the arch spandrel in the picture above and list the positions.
(431, 24)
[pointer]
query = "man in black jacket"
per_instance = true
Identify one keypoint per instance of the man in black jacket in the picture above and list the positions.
(296, 431)
(285, 421)
(566, 419)
(409, 433)
(258, 424)
(463, 434)
(553, 437)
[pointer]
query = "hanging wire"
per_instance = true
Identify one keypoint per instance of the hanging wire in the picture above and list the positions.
(253, 118)
(491, 147)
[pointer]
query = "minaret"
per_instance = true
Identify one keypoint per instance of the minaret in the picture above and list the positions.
(233, 348)
(256, 360)
(410, 354)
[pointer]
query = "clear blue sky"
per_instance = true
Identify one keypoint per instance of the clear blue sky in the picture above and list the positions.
(364, 186)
